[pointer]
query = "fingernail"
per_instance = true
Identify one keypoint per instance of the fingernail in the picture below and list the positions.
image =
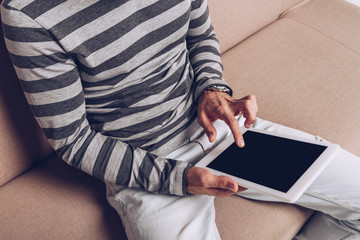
(210, 135)
(241, 143)
(231, 187)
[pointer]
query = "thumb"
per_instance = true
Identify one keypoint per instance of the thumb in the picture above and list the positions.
(225, 182)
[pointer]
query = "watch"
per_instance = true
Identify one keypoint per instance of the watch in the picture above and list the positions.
(219, 88)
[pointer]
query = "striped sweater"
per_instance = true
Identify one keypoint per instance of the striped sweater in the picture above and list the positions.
(114, 83)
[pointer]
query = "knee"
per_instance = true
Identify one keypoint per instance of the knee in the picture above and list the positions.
(167, 217)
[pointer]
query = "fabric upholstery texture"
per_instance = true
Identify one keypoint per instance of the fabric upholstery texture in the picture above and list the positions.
(235, 20)
(56, 201)
(333, 19)
(240, 217)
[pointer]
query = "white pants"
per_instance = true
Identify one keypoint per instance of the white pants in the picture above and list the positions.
(335, 194)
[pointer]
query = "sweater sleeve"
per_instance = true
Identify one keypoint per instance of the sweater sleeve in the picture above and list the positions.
(53, 88)
(204, 49)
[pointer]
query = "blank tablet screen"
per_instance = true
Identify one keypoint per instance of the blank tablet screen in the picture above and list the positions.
(267, 160)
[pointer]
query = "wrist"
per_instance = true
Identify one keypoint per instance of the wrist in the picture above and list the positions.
(219, 88)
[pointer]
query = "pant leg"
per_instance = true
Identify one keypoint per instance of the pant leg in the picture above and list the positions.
(323, 226)
(335, 194)
(150, 216)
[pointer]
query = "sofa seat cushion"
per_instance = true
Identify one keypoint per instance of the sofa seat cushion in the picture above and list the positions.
(302, 79)
(240, 218)
(56, 201)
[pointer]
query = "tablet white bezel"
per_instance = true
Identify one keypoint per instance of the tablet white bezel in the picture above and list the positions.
(301, 184)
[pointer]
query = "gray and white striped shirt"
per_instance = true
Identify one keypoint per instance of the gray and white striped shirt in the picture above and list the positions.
(114, 83)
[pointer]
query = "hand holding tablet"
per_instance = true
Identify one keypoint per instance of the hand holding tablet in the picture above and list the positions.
(278, 165)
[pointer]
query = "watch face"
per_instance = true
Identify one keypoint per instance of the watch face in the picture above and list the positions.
(219, 88)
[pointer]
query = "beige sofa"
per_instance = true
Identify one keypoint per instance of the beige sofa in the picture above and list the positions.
(300, 58)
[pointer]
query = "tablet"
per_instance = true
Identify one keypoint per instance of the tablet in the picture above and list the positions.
(279, 165)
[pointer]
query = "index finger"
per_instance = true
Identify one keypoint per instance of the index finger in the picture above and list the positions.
(232, 122)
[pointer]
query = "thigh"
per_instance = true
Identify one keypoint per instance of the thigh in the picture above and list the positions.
(150, 216)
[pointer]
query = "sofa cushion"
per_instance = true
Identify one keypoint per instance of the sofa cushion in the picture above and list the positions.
(302, 79)
(56, 201)
(21, 140)
(239, 218)
(235, 20)
(337, 19)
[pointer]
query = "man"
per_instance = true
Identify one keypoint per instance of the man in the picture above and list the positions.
(120, 89)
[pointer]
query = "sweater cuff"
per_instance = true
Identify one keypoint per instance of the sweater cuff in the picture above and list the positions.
(178, 186)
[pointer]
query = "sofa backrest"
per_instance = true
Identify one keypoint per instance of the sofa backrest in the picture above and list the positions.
(22, 143)
(235, 20)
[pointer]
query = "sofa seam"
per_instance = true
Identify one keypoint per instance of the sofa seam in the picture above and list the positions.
(324, 35)
(249, 36)
(299, 4)
(283, 16)
(279, 17)
(35, 165)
